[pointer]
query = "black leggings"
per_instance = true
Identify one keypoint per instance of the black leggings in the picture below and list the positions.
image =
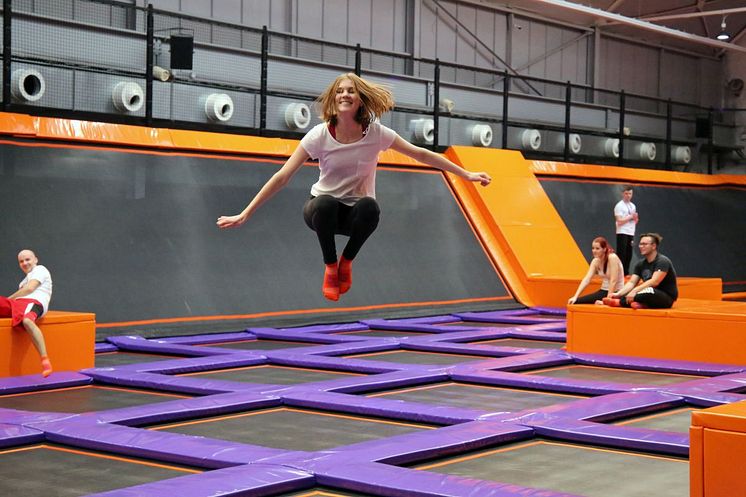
(327, 216)
(651, 297)
(592, 298)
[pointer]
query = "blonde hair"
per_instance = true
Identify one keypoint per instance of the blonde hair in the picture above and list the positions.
(375, 100)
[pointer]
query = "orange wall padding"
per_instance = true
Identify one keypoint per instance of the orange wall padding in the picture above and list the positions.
(524, 233)
(622, 174)
(70, 338)
(141, 136)
(718, 451)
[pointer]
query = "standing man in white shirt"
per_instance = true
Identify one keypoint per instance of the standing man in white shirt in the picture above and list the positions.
(626, 217)
(30, 302)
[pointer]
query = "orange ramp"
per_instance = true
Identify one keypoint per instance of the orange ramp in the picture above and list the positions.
(522, 231)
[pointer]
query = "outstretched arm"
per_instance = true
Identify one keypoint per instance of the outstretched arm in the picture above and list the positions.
(276, 183)
(437, 161)
(584, 283)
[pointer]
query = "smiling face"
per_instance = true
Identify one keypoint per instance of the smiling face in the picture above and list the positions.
(347, 99)
(647, 246)
(27, 261)
(598, 251)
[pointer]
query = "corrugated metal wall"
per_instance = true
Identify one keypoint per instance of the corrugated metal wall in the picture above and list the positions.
(471, 34)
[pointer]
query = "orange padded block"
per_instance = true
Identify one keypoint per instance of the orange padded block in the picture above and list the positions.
(70, 338)
(693, 330)
(718, 451)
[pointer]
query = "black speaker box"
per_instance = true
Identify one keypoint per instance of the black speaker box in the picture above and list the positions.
(182, 49)
(703, 127)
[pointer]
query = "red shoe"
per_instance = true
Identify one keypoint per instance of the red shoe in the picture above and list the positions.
(330, 289)
(46, 366)
(637, 305)
(611, 302)
(344, 274)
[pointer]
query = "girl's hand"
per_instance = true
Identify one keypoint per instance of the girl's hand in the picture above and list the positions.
(483, 178)
(230, 221)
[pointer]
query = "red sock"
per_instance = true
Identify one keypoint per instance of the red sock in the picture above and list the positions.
(611, 302)
(331, 282)
(345, 274)
(46, 366)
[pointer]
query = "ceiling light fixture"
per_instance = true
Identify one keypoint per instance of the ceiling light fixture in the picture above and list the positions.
(723, 35)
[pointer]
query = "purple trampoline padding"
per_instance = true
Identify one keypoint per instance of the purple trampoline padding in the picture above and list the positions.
(102, 347)
(386, 325)
(179, 384)
(191, 364)
(404, 321)
(660, 365)
(557, 326)
(139, 344)
(535, 333)
(176, 410)
(423, 445)
(623, 437)
(514, 319)
(552, 311)
(210, 338)
(353, 365)
(177, 448)
(731, 383)
(605, 407)
(392, 481)
(380, 407)
(12, 434)
(35, 382)
(545, 383)
(467, 349)
(239, 481)
(538, 359)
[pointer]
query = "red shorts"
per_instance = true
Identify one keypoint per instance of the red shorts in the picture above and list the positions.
(18, 309)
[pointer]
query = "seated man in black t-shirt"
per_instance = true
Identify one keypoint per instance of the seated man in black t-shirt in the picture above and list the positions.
(652, 283)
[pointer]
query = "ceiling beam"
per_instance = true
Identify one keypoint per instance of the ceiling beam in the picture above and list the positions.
(704, 13)
(637, 23)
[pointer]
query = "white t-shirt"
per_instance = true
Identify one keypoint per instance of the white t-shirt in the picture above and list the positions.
(347, 171)
(625, 209)
(43, 293)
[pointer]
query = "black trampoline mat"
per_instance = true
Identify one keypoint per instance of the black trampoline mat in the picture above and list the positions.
(522, 343)
(55, 471)
(412, 357)
(84, 399)
(293, 429)
(385, 333)
(577, 372)
(273, 375)
(576, 469)
(478, 397)
(109, 359)
(676, 420)
(481, 324)
(261, 344)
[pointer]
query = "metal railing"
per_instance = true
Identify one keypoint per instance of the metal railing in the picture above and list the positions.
(238, 47)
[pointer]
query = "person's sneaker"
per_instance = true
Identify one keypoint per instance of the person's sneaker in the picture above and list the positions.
(46, 367)
(611, 302)
(637, 305)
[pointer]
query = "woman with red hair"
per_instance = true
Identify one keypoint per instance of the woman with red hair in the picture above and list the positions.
(606, 264)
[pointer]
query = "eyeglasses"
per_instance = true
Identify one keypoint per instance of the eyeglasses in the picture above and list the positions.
(645, 243)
